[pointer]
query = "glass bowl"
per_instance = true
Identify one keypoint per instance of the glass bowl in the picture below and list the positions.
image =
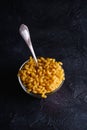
(31, 93)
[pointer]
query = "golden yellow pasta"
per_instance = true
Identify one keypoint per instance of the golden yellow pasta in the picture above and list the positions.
(44, 78)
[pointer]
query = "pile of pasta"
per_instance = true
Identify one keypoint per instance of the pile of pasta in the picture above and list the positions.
(43, 78)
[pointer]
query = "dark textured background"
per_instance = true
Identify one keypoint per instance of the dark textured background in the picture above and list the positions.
(58, 29)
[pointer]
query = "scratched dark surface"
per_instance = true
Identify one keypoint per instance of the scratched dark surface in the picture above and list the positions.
(58, 29)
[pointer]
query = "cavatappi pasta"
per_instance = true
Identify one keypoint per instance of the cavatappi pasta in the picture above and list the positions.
(44, 78)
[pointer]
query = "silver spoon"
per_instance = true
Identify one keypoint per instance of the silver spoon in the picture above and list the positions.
(24, 32)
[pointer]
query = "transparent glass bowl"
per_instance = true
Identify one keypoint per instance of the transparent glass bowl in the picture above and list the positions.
(31, 93)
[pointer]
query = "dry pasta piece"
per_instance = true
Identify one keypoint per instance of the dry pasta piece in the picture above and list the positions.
(44, 78)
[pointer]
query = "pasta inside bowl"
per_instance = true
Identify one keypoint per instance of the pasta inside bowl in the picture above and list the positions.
(42, 80)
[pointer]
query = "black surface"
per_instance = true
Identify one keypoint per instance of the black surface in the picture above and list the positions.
(58, 29)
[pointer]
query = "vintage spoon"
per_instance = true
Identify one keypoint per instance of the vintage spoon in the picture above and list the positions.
(24, 32)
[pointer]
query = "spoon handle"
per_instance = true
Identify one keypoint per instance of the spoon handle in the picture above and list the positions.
(24, 32)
